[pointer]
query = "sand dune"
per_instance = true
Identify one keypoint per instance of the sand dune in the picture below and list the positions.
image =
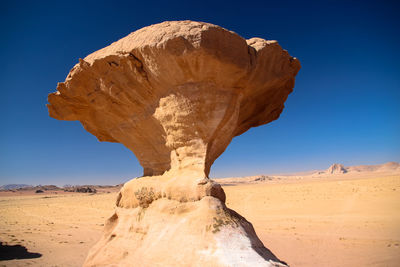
(347, 221)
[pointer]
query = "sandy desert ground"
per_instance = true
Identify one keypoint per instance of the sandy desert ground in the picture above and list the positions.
(326, 221)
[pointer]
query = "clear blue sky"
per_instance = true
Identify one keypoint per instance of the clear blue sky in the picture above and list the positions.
(345, 106)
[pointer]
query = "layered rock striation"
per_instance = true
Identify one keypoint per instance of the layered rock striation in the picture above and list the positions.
(175, 94)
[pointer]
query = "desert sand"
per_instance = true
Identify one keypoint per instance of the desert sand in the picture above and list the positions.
(343, 220)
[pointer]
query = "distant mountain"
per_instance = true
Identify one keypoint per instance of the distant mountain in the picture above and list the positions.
(13, 186)
(336, 169)
(388, 168)
(340, 169)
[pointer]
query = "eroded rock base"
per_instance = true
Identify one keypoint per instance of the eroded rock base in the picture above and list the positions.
(158, 228)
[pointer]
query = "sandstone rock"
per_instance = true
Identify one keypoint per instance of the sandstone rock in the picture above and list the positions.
(175, 94)
(336, 169)
(173, 233)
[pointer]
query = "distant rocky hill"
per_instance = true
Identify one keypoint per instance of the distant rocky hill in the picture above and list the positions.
(13, 186)
(334, 169)
(66, 188)
(387, 167)
(24, 187)
(340, 169)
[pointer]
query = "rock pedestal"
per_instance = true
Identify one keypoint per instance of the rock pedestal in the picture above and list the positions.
(175, 94)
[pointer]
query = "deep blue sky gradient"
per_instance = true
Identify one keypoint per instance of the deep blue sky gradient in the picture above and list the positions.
(345, 106)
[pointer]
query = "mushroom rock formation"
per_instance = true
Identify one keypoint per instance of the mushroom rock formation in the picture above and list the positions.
(175, 94)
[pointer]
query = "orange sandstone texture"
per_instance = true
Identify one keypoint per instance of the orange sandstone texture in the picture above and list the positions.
(175, 94)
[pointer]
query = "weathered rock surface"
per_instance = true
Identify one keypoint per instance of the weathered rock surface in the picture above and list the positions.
(336, 168)
(173, 233)
(176, 93)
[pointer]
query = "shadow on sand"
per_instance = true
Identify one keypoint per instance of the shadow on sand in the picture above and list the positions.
(16, 252)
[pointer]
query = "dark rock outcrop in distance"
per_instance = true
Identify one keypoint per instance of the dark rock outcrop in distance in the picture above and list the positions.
(262, 178)
(81, 189)
(86, 190)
